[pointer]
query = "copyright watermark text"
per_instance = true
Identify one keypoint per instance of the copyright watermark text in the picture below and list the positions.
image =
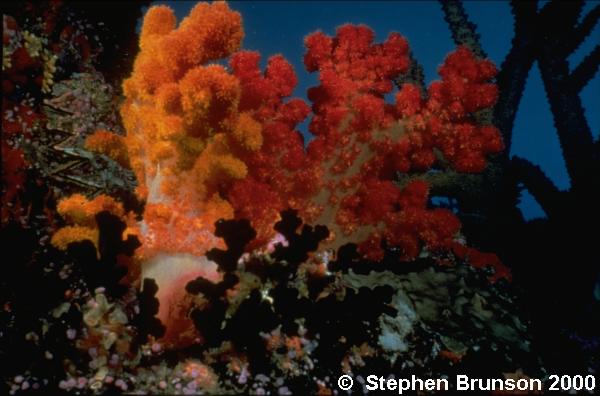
(465, 383)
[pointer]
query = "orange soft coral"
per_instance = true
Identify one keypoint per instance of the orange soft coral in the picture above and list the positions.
(80, 214)
(158, 21)
(109, 144)
(70, 234)
(196, 131)
(208, 142)
(182, 122)
(77, 209)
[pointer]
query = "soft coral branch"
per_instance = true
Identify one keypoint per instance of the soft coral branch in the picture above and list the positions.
(208, 142)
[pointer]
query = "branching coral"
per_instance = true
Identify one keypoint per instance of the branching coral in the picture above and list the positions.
(380, 276)
(373, 141)
(274, 296)
(301, 322)
(81, 213)
(181, 118)
(208, 142)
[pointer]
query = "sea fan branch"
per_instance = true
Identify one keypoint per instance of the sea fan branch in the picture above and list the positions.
(537, 183)
(585, 71)
(515, 69)
(583, 30)
(463, 31)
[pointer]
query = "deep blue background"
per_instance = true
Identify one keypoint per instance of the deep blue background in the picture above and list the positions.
(280, 27)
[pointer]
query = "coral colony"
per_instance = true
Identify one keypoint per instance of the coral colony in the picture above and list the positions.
(209, 142)
(198, 245)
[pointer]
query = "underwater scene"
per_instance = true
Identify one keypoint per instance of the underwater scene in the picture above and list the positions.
(277, 198)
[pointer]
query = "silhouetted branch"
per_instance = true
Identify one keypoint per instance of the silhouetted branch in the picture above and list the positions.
(573, 130)
(514, 70)
(562, 30)
(414, 75)
(463, 31)
(585, 71)
(537, 183)
(567, 110)
(583, 30)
